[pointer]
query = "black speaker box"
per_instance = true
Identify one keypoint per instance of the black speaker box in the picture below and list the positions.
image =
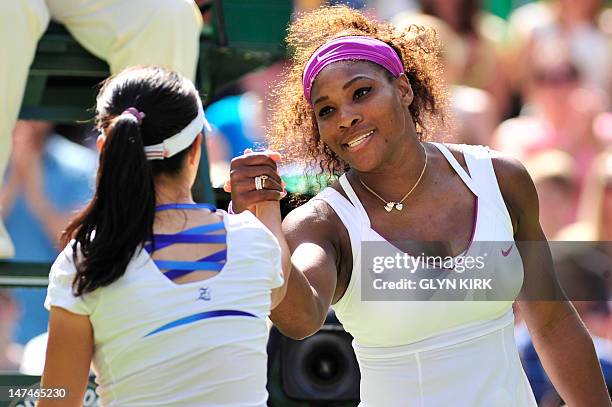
(320, 370)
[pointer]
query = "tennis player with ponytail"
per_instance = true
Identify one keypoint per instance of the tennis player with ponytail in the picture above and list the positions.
(167, 298)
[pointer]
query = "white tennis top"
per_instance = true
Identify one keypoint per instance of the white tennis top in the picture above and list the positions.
(438, 353)
(157, 343)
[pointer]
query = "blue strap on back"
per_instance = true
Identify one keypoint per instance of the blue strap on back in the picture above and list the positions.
(220, 256)
(181, 238)
(199, 234)
(166, 207)
(189, 265)
(193, 231)
(200, 316)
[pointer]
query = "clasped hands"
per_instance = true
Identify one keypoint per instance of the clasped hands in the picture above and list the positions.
(243, 185)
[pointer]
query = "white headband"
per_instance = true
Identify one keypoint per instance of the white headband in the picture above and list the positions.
(180, 141)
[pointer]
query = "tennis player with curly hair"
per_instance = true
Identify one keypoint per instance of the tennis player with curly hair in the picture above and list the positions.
(362, 102)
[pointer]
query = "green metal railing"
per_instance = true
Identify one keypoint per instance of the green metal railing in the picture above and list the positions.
(243, 35)
(24, 274)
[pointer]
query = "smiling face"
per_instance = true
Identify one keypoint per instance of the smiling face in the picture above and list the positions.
(362, 113)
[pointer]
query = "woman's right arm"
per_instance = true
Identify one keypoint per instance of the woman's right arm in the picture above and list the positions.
(69, 353)
(268, 213)
(312, 283)
(311, 239)
(263, 203)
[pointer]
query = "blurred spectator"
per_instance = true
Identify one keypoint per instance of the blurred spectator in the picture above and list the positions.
(528, 17)
(236, 123)
(596, 203)
(474, 115)
(48, 178)
(605, 20)
(560, 113)
(485, 39)
(388, 9)
(602, 127)
(553, 174)
(585, 286)
(595, 206)
(124, 33)
(34, 353)
(382, 9)
(575, 24)
(594, 222)
(239, 120)
(304, 5)
(10, 352)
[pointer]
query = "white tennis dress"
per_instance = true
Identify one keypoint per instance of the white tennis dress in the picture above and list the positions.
(203, 343)
(437, 353)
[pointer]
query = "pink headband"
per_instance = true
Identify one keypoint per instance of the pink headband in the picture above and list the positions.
(350, 48)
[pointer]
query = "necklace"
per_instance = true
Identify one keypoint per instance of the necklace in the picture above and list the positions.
(389, 205)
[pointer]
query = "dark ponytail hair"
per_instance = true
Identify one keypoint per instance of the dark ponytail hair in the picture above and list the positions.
(120, 216)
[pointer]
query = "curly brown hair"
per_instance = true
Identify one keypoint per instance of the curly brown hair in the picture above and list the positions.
(293, 128)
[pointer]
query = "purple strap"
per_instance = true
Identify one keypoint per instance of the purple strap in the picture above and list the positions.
(350, 48)
(134, 112)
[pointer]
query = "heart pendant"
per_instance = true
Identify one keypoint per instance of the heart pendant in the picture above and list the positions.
(389, 206)
(399, 206)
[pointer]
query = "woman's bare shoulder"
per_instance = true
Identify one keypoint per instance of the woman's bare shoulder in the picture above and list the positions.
(315, 218)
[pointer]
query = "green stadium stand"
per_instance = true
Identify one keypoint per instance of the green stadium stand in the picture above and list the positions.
(244, 35)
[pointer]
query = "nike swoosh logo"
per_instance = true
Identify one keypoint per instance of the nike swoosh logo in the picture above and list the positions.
(505, 253)
(327, 54)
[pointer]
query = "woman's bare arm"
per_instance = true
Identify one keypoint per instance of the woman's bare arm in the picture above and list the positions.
(269, 214)
(559, 336)
(310, 290)
(69, 353)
